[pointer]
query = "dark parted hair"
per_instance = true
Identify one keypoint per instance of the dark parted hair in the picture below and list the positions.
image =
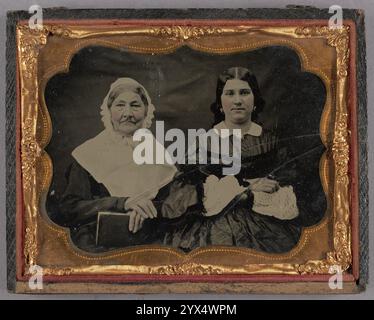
(239, 73)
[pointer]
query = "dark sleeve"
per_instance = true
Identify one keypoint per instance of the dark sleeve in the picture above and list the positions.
(84, 198)
(298, 166)
(173, 200)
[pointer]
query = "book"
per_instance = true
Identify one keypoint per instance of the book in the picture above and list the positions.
(113, 230)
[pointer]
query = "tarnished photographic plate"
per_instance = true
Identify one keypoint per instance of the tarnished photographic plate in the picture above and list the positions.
(283, 211)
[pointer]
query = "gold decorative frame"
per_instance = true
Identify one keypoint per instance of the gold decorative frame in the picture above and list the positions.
(44, 52)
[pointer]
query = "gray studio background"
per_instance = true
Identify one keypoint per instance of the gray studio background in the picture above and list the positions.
(367, 5)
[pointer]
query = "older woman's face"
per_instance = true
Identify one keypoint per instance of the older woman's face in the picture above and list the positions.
(237, 101)
(128, 113)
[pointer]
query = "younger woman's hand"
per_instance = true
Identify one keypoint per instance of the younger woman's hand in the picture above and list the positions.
(263, 185)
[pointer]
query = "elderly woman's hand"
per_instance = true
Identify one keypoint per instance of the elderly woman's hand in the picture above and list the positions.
(263, 185)
(135, 221)
(143, 207)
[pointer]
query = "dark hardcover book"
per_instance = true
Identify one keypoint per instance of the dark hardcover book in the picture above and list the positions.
(113, 230)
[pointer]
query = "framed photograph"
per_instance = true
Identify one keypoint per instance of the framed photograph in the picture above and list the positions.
(186, 151)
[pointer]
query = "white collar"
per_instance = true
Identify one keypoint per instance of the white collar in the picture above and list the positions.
(254, 129)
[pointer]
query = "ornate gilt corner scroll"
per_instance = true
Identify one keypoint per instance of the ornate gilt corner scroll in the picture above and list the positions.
(30, 42)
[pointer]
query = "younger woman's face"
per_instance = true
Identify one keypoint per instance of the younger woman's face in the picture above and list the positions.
(128, 113)
(237, 101)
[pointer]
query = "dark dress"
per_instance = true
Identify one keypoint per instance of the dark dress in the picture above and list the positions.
(181, 222)
(79, 205)
(238, 225)
(84, 198)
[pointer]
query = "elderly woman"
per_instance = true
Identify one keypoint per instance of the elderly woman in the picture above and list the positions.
(257, 208)
(104, 176)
